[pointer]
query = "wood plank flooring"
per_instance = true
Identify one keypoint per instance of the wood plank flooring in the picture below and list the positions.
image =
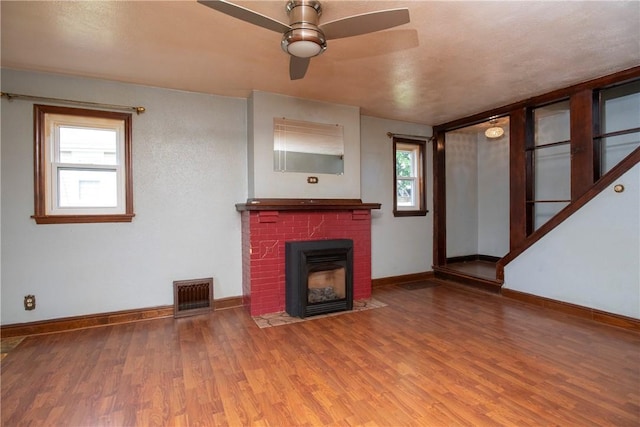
(435, 356)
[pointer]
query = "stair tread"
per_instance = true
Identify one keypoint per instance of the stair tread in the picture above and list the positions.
(467, 279)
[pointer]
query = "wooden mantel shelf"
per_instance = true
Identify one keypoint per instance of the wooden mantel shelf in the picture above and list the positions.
(304, 205)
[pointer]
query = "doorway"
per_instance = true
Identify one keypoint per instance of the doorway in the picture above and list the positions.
(477, 197)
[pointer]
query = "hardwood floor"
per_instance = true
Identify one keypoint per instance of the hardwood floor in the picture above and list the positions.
(435, 356)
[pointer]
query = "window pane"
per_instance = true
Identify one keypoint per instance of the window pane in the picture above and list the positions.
(544, 211)
(553, 173)
(551, 163)
(552, 123)
(616, 148)
(620, 112)
(405, 161)
(87, 145)
(87, 188)
(621, 108)
(406, 189)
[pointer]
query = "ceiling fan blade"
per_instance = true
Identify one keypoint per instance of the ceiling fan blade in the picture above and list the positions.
(298, 67)
(246, 15)
(365, 23)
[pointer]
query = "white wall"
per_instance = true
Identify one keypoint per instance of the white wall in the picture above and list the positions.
(593, 258)
(267, 183)
(189, 169)
(477, 173)
(493, 195)
(461, 167)
(402, 245)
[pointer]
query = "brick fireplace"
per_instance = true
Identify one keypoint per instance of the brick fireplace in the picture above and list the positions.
(267, 224)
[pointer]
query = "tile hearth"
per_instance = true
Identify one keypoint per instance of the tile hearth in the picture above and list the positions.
(282, 318)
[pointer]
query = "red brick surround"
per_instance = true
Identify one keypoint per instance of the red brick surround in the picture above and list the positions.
(264, 233)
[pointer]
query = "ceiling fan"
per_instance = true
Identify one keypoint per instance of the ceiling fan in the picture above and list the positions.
(303, 38)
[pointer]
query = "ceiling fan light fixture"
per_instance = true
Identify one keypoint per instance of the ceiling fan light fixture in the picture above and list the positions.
(304, 37)
(304, 49)
(304, 42)
(494, 131)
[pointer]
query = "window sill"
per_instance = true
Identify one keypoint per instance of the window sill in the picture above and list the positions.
(77, 219)
(410, 213)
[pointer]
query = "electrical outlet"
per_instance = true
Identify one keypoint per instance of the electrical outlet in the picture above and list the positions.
(29, 302)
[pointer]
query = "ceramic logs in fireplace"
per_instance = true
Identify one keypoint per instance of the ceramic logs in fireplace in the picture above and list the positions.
(319, 277)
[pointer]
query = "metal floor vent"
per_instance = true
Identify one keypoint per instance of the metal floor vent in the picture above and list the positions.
(191, 297)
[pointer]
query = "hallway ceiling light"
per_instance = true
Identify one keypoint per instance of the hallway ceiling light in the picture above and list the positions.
(494, 131)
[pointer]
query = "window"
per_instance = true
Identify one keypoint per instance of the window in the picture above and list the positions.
(82, 166)
(409, 177)
(619, 120)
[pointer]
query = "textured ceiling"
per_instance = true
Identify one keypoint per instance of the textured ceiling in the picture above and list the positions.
(454, 59)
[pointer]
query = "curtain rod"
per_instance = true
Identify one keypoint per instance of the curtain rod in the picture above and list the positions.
(11, 96)
(427, 138)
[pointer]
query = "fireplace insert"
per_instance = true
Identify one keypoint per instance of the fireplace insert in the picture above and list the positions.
(319, 277)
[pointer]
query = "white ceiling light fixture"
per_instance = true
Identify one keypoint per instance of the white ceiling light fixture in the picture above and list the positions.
(304, 48)
(494, 131)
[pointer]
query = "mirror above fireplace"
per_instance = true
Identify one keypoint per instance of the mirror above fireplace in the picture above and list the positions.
(308, 147)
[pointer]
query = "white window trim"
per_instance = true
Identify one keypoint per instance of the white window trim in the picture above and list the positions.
(53, 123)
